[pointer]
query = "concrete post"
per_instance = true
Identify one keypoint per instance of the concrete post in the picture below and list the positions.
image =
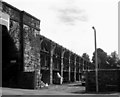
(62, 57)
(83, 66)
(69, 67)
(75, 69)
(79, 70)
(96, 60)
(83, 69)
(37, 80)
(51, 69)
(51, 63)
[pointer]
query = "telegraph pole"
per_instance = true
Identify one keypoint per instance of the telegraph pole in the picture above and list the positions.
(96, 61)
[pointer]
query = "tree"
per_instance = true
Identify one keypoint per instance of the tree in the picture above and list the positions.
(86, 56)
(102, 58)
(114, 55)
(118, 63)
(113, 60)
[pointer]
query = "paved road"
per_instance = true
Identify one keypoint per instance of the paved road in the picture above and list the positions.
(52, 90)
(66, 89)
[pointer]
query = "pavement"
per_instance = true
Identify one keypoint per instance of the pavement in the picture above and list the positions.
(64, 89)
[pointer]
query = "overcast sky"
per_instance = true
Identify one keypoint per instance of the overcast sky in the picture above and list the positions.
(69, 22)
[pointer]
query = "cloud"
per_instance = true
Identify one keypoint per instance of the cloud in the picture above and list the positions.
(72, 15)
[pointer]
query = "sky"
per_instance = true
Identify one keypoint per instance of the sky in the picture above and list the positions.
(69, 22)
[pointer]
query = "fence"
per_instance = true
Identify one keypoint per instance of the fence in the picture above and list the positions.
(108, 80)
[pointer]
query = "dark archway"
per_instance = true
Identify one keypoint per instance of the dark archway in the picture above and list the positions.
(10, 67)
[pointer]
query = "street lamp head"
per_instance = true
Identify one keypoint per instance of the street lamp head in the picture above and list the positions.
(93, 27)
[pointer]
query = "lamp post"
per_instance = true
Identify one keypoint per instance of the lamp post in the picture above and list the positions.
(96, 61)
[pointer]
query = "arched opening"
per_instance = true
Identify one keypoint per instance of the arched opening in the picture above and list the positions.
(10, 66)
